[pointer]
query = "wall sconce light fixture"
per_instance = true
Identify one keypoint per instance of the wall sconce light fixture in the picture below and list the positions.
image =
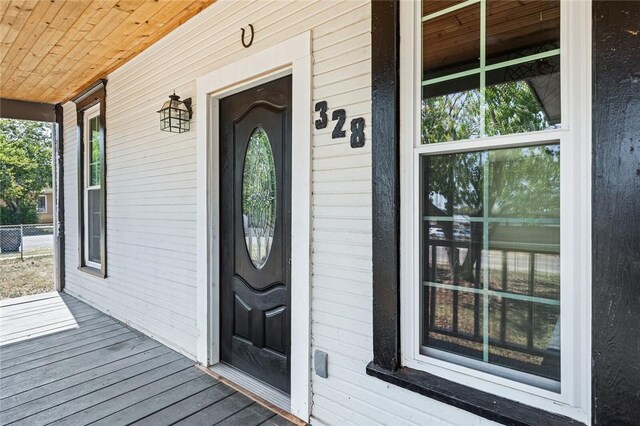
(175, 115)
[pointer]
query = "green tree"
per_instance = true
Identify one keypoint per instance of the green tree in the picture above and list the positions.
(25, 168)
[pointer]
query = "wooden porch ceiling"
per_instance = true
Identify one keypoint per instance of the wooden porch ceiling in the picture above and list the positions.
(53, 49)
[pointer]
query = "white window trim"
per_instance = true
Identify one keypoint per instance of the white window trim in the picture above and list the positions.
(90, 113)
(575, 137)
(46, 207)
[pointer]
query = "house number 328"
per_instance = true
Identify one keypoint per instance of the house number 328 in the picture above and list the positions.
(340, 117)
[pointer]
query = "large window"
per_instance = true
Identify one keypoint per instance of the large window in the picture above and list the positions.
(491, 210)
(91, 180)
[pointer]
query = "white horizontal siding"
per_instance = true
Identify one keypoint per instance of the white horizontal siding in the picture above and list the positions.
(151, 199)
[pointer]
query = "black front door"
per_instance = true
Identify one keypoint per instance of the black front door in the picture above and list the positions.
(255, 211)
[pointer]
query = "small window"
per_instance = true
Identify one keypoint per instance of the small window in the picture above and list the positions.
(92, 189)
(42, 204)
(91, 180)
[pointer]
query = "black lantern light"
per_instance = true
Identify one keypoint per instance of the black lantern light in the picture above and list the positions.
(175, 115)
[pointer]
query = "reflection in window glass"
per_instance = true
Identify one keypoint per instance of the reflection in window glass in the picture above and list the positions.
(93, 224)
(491, 259)
(94, 151)
(459, 29)
(451, 110)
(516, 29)
(499, 78)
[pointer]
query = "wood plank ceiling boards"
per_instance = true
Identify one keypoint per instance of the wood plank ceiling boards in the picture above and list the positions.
(53, 49)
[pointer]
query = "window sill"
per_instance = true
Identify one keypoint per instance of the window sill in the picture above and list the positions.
(92, 271)
(483, 404)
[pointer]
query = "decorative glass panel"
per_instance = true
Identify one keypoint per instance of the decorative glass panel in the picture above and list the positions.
(259, 198)
(496, 76)
(491, 260)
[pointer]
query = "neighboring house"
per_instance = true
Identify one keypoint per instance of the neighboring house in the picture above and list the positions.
(45, 206)
(376, 212)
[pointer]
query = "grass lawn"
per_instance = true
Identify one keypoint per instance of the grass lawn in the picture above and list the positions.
(33, 276)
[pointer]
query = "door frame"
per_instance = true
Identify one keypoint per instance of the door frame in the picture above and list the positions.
(290, 57)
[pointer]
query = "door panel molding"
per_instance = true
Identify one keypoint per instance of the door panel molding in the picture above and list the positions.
(292, 56)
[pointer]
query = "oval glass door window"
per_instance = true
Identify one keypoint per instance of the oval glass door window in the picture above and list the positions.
(259, 197)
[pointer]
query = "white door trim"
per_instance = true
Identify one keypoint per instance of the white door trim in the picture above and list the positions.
(292, 56)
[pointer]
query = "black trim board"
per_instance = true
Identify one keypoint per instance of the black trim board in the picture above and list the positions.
(94, 95)
(483, 404)
(58, 146)
(25, 110)
(616, 213)
(385, 79)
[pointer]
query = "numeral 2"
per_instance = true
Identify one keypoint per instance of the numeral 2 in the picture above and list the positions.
(341, 116)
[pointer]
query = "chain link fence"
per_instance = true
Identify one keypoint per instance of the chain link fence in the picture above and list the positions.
(25, 241)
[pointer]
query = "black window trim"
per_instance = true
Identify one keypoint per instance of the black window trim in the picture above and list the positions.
(386, 364)
(94, 95)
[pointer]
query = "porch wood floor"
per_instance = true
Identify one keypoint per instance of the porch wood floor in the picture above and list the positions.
(64, 362)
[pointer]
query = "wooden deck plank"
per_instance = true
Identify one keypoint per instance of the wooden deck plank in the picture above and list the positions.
(75, 340)
(42, 311)
(7, 314)
(33, 306)
(65, 355)
(44, 330)
(277, 421)
(83, 389)
(10, 326)
(84, 378)
(166, 403)
(43, 375)
(65, 362)
(27, 299)
(61, 337)
(217, 412)
(48, 354)
(93, 397)
(253, 415)
(124, 401)
(184, 408)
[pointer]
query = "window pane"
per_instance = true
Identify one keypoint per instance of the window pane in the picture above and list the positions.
(451, 110)
(517, 28)
(42, 204)
(450, 42)
(94, 151)
(431, 6)
(491, 268)
(93, 225)
(523, 97)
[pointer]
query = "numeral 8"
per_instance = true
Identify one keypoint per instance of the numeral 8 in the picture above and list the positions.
(357, 132)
